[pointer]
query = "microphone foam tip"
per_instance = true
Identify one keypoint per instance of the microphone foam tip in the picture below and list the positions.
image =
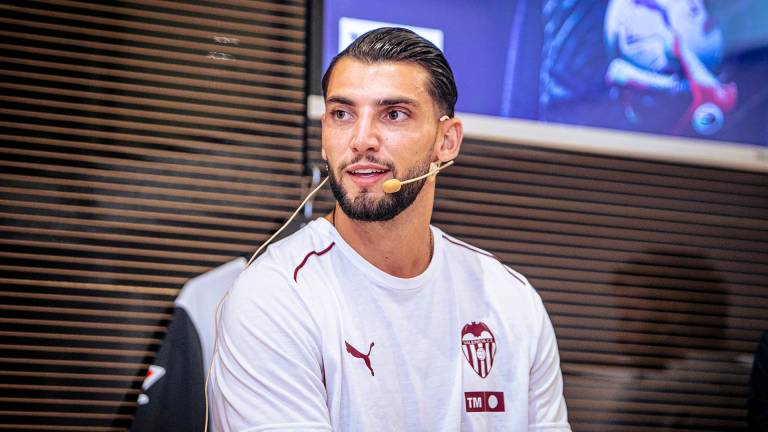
(391, 186)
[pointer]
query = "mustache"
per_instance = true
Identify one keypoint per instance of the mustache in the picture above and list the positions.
(367, 158)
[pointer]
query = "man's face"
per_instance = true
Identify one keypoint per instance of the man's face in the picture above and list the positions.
(379, 123)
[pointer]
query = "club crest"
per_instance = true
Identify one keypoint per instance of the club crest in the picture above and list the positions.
(479, 347)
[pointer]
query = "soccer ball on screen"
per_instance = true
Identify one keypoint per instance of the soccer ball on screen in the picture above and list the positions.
(643, 31)
(664, 53)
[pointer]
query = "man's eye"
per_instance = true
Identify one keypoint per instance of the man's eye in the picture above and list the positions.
(340, 115)
(396, 115)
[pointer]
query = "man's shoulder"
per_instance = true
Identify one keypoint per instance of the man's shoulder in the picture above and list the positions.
(285, 255)
(487, 262)
(491, 279)
(283, 259)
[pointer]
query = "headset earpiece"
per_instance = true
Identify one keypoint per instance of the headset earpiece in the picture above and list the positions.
(434, 168)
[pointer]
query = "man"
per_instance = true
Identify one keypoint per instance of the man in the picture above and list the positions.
(370, 319)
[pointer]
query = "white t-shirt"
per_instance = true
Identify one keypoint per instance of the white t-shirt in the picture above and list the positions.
(314, 338)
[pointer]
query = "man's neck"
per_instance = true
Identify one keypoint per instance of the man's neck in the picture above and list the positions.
(401, 247)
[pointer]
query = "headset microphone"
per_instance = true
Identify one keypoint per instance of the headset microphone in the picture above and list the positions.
(394, 185)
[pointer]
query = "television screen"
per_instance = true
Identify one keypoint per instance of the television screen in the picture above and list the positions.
(687, 68)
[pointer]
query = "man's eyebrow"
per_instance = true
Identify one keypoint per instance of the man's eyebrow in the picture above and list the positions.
(382, 102)
(397, 101)
(339, 100)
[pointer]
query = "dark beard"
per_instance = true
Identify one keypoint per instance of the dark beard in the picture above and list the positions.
(365, 208)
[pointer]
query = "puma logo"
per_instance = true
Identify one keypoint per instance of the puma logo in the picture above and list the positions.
(366, 357)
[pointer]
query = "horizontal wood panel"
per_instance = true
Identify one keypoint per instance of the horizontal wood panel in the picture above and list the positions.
(497, 216)
(78, 428)
(148, 226)
(213, 16)
(56, 414)
(82, 352)
(67, 401)
(121, 17)
(647, 386)
(635, 171)
(78, 363)
(206, 110)
(259, 11)
(287, 7)
(207, 118)
(33, 116)
(138, 254)
(106, 189)
(100, 313)
(597, 246)
(601, 257)
(75, 376)
(178, 180)
(185, 65)
(105, 200)
(220, 103)
(616, 215)
(538, 182)
(699, 403)
(207, 84)
(590, 200)
(153, 56)
(112, 237)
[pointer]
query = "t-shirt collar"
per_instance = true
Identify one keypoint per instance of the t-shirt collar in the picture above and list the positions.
(378, 276)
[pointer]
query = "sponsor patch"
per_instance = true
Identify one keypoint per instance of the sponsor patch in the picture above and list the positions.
(484, 401)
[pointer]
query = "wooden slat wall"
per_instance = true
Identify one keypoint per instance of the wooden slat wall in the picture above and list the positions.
(143, 142)
(142, 146)
(654, 274)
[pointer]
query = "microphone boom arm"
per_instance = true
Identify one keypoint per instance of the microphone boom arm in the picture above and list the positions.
(394, 185)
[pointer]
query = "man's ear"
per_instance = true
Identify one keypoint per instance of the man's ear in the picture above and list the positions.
(449, 142)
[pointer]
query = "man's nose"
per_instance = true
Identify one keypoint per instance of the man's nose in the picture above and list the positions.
(366, 134)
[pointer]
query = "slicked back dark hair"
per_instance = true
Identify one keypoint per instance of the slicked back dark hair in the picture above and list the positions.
(394, 44)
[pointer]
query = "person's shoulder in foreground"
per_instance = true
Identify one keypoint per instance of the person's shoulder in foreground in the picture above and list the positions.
(370, 319)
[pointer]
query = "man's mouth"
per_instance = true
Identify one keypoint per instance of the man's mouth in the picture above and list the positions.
(367, 172)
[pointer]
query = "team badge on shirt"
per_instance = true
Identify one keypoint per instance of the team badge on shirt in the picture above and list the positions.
(479, 347)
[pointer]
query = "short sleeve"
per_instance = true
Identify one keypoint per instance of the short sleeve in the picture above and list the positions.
(546, 403)
(267, 370)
